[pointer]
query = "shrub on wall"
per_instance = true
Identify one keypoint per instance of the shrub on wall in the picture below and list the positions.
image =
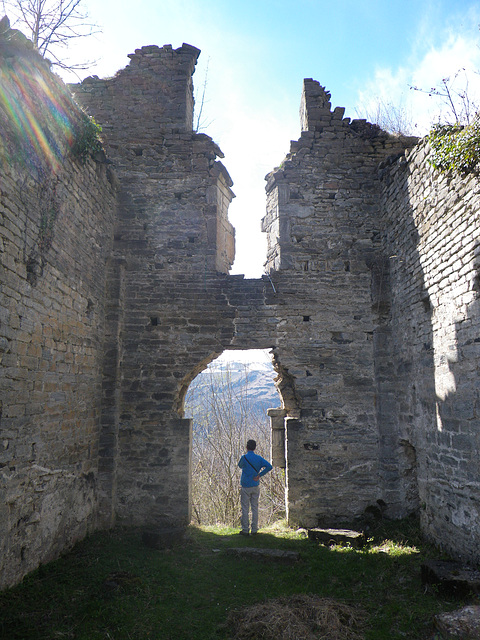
(455, 147)
(87, 141)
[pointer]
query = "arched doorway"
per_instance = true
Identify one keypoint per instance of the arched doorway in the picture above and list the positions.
(228, 403)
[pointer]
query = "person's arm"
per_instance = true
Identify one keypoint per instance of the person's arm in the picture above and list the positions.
(241, 462)
(265, 468)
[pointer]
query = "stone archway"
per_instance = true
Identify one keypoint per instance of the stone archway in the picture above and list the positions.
(228, 403)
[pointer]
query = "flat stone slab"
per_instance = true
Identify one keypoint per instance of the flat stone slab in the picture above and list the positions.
(267, 554)
(331, 537)
(463, 624)
(453, 577)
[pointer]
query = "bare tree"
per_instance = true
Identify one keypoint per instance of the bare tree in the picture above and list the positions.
(455, 94)
(224, 417)
(51, 25)
(200, 122)
(455, 100)
(389, 117)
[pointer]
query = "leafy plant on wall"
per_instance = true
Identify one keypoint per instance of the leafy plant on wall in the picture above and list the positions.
(87, 142)
(455, 147)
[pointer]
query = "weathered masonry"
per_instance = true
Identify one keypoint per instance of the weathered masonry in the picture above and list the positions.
(115, 294)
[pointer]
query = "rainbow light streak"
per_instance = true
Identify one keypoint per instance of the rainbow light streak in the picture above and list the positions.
(37, 109)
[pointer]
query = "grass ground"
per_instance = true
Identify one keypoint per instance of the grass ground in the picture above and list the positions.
(112, 587)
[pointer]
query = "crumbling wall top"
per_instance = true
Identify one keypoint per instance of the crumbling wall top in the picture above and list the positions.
(152, 95)
(316, 113)
(141, 56)
(314, 104)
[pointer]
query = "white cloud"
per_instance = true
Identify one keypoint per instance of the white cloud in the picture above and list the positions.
(456, 60)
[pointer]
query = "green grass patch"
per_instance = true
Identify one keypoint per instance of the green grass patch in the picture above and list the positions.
(112, 587)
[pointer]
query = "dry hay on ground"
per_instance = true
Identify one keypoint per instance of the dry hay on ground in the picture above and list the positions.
(299, 617)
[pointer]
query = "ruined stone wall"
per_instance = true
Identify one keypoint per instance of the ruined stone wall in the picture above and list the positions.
(114, 298)
(56, 221)
(373, 255)
(431, 236)
(173, 247)
(324, 254)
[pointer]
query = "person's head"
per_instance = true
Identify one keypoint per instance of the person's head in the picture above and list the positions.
(251, 445)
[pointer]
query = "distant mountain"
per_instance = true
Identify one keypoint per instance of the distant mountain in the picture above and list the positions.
(235, 382)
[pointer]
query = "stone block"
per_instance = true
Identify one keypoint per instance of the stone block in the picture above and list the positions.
(453, 578)
(331, 537)
(463, 624)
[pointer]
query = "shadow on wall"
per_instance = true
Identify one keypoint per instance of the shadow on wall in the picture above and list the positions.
(455, 505)
(435, 348)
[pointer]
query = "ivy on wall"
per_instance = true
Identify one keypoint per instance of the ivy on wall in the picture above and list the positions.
(87, 141)
(49, 209)
(455, 147)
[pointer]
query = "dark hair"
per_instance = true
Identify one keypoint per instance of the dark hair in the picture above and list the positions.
(251, 445)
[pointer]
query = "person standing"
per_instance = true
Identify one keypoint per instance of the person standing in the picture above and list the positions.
(253, 468)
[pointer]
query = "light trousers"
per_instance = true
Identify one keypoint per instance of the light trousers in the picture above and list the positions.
(249, 498)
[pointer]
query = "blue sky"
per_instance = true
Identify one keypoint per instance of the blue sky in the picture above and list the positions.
(258, 53)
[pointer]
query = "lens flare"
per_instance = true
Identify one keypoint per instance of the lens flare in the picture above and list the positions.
(39, 115)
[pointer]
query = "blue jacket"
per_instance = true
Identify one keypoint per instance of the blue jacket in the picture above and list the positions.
(253, 465)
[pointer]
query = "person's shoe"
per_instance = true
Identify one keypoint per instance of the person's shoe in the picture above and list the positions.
(243, 533)
(254, 533)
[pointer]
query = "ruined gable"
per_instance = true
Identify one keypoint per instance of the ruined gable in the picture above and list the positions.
(116, 294)
(324, 254)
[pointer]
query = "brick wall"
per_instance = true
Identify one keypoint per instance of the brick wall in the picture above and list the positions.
(56, 217)
(173, 246)
(324, 252)
(431, 239)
